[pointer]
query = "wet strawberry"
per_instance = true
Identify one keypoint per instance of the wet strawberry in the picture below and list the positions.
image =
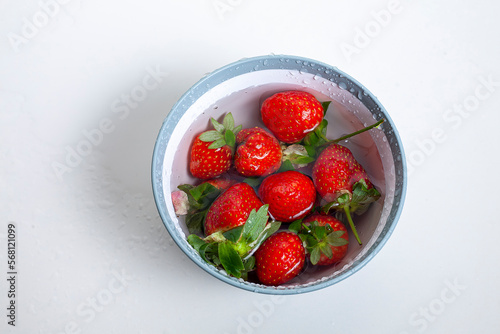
(212, 150)
(291, 115)
(343, 182)
(280, 258)
(290, 195)
(326, 239)
(231, 208)
(258, 153)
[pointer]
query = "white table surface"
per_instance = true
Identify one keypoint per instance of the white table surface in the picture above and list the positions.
(92, 253)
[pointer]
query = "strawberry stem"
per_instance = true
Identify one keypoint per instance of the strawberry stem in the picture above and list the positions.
(357, 132)
(351, 223)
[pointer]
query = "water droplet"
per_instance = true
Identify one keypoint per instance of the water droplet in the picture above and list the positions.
(256, 67)
(342, 85)
(265, 63)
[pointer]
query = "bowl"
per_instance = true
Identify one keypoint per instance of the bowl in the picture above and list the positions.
(240, 88)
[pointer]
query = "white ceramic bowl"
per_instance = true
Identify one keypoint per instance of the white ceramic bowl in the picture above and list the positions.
(240, 88)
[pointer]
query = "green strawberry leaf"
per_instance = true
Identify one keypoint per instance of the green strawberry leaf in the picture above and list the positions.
(319, 232)
(211, 135)
(315, 255)
(230, 138)
(195, 241)
(300, 159)
(286, 166)
(194, 221)
(255, 224)
(249, 263)
(315, 141)
(326, 249)
(217, 144)
(269, 230)
(228, 122)
(334, 239)
(325, 106)
(234, 234)
(209, 252)
(237, 129)
(217, 126)
(230, 259)
(295, 226)
(253, 181)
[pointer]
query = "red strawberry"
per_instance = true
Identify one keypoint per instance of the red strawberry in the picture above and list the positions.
(342, 181)
(212, 150)
(280, 258)
(231, 208)
(291, 115)
(326, 239)
(258, 153)
(290, 195)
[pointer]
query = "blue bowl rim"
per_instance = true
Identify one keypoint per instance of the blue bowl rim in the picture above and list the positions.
(290, 62)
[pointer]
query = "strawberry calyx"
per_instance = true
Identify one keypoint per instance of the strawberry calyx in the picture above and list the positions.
(356, 202)
(224, 134)
(315, 142)
(199, 200)
(233, 250)
(318, 239)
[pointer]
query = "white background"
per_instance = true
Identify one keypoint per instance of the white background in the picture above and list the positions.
(93, 255)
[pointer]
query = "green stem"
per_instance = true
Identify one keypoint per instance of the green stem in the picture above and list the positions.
(358, 132)
(351, 223)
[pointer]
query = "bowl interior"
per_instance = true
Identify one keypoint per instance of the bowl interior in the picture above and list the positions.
(240, 88)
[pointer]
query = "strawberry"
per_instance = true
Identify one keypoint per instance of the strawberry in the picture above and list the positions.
(231, 208)
(343, 182)
(233, 249)
(280, 258)
(290, 195)
(258, 153)
(326, 239)
(194, 201)
(212, 150)
(291, 115)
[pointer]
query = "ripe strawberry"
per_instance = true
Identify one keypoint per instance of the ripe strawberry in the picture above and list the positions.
(291, 115)
(290, 195)
(212, 150)
(258, 153)
(326, 239)
(280, 258)
(231, 208)
(342, 181)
